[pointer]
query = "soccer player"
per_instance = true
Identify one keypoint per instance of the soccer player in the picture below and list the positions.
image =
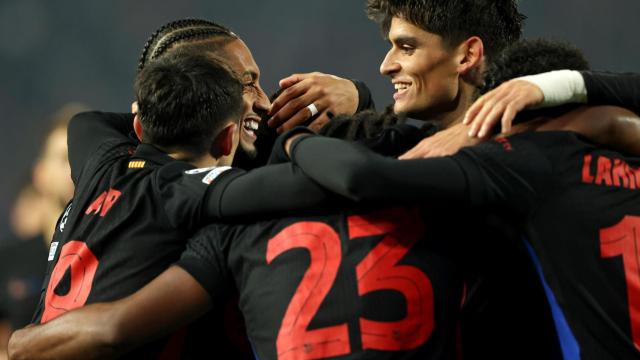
(114, 314)
(577, 206)
(172, 183)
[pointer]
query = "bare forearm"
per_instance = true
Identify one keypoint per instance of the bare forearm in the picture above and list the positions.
(84, 334)
(612, 126)
(105, 331)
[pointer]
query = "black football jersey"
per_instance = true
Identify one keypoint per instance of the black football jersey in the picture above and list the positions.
(576, 204)
(348, 285)
(134, 207)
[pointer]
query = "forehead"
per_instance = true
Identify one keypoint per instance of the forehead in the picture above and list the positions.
(239, 57)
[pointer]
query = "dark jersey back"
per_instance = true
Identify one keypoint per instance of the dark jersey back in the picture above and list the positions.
(582, 217)
(127, 221)
(344, 285)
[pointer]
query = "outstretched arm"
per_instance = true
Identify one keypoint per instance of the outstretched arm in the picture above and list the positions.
(555, 88)
(463, 178)
(107, 330)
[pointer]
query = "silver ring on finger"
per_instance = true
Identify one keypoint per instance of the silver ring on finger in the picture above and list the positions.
(313, 109)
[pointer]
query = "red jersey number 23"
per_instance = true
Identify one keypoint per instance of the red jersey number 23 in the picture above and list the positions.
(377, 271)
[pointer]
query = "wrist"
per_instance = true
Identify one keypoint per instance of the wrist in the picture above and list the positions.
(559, 87)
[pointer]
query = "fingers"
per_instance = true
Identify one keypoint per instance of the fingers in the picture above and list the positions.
(481, 117)
(318, 123)
(422, 150)
(508, 116)
(286, 96)
(411, 154)
(300, 117)
(473, 111)
(292, 80)
(501, 104)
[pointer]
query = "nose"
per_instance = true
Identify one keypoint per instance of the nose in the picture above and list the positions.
(261, 103)
(389, 65)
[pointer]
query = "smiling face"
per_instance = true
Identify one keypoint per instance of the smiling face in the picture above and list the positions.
(256, 102)
(422, 69)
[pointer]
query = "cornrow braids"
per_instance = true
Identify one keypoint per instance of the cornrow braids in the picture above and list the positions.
(164, 36)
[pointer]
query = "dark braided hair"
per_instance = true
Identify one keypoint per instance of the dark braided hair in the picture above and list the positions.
(179, 32)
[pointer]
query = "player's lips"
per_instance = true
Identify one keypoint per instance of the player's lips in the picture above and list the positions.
(401, 89)
(250, 125)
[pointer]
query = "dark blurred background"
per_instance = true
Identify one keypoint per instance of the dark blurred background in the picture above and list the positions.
(54, 52)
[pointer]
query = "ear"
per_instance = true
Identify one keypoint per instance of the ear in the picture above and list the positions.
(137, 126)
(471, 59)
(223, 143)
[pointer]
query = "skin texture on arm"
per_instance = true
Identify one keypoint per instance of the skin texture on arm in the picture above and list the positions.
(442, 143)
(612, 126)
(107, 330)
(503, 103)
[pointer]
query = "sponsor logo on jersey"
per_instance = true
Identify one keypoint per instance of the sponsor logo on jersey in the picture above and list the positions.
(64, 219)
(199, 170)
(52, 250)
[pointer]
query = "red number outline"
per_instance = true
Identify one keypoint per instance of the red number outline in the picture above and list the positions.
(83, 264)
(294, 340)
(377, 271)
(622, 239)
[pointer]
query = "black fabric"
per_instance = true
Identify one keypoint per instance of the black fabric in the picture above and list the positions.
(268, 279)
(605, 88)
(365, 100)
(439, 183)
(562, 190)
(134, 207)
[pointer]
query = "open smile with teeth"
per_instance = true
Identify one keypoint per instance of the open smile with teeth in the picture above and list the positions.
(249, 126)
(401, 88)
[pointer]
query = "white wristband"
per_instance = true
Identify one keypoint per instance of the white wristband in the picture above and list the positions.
(559, 87)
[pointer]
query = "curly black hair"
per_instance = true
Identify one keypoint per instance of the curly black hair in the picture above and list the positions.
(532, 56)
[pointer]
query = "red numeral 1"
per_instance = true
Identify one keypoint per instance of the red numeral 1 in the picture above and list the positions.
(294, 340)
(622, 239)
(76, 256)
(378, 271)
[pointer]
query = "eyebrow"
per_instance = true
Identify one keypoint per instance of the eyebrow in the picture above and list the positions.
(405, 39)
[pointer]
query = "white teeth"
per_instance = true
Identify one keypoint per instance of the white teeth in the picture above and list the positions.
(251, 125)
(401, 86)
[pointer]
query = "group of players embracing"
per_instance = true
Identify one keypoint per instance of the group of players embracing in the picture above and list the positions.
(213, 222)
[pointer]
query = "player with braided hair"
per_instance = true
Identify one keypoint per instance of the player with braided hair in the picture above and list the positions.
(208, 36)
(172, 28)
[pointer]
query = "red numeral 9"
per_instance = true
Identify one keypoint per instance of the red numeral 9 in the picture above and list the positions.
(78, 258)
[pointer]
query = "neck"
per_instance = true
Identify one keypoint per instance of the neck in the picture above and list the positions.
(466, 96)
(202, 161)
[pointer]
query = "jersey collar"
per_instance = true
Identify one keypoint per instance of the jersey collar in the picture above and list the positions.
(151, 153)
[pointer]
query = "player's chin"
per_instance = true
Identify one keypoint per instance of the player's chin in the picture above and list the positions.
(403, 107)
(248, 146)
